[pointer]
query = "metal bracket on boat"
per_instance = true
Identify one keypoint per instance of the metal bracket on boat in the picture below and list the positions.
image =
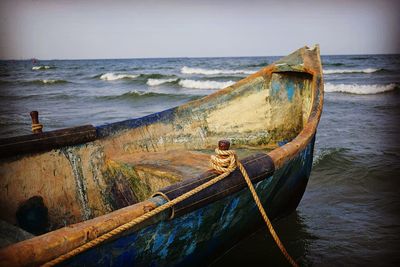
(161, 194)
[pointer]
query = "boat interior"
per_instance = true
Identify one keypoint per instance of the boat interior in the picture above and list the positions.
(132, 160)
(257, 115)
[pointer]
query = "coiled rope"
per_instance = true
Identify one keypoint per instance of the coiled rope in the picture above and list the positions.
(36, 126)
(224, 162)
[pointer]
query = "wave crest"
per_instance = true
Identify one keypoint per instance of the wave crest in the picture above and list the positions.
(358, 89)
(42, 67)
(327, 155)
(188, 70)
(156, 82)
(41, 82)
(45, 82)
(345, 71)
(50, 81)
(193, 84)
(137, 95)
(132, 95)
(110, 76)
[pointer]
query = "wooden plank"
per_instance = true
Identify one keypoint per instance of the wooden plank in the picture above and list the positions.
(46, 141)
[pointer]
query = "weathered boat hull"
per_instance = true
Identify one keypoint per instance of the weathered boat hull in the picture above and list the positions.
(198, 237)
(97, 182)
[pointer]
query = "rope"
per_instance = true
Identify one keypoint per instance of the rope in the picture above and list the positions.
(36, 126)
(134, 222)
(225, 162)
(265, 217)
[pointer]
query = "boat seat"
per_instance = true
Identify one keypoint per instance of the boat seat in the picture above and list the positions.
(138, 175)
(174, 165)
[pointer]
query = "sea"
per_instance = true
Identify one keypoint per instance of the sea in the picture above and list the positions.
(350, 212)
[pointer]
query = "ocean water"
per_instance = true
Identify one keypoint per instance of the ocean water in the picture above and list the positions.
(350, 212)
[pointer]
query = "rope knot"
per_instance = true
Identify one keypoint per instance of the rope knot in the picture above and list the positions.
(224, 161)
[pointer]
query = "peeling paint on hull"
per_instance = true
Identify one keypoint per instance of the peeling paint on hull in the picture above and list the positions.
(270, 116)
(197, 237)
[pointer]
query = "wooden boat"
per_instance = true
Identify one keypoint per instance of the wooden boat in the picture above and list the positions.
(89, 180)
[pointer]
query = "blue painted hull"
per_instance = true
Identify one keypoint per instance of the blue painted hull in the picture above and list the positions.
(198, 237)
(101, 186)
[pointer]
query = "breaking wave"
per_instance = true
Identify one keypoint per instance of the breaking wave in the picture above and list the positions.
(50, 81)
(42, 67)
(110, 76)
(40, 82)
(193, 84)
(43, 82)
(156, 82)
(345, 71)
(326, 155)
(189, 70)
(358, 89)
(133, 95)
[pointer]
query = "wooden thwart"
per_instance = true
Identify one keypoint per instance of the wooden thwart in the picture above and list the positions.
(46, 141)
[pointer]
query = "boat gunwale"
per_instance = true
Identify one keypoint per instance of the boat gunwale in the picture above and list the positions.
(60, 241)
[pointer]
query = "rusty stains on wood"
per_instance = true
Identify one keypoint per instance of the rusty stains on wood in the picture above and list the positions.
(133, 159)
(35, 253)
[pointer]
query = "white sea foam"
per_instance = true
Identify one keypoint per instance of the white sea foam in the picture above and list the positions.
(41, 67)
(359, 89)
(204, 84)
(49, 81)
(188, 70)
(343, 71)
(155, 82)
(323, 154)
(113, 76)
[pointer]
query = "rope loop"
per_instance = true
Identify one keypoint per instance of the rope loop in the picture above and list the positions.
(36, 126)
(224, 161)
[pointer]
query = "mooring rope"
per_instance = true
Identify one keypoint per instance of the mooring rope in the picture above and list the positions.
(222, 164)
(225, 162)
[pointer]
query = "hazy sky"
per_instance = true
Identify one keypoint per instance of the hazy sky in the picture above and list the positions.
(61, 29)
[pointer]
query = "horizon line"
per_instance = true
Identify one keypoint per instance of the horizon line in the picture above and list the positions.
(180, 57)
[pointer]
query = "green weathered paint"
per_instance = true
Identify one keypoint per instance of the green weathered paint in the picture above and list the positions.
(274, 112)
